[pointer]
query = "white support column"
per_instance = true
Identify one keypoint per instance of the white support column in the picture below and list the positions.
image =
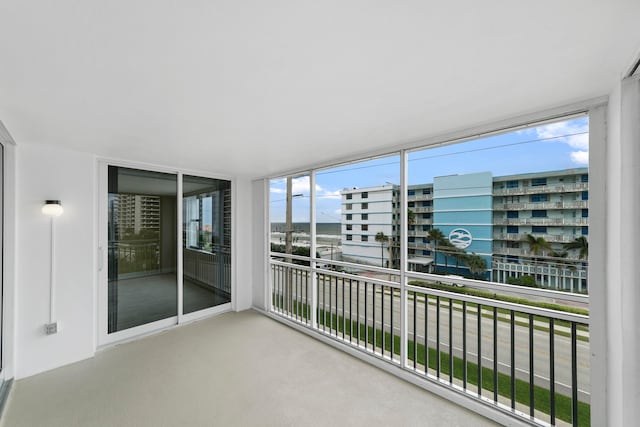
(312, 250)
(597, 255)
(624, 316)
(403, 257)
(180, 269)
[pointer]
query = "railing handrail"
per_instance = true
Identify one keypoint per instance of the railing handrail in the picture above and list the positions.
(521, 308)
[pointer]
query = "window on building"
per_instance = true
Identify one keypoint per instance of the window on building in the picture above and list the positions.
(539, 198)
(536, 182)
(425, 240)
(349, 237)
(349, 217)
(513, 245)
(364, 238)
(585, 231)
(365, 206)
(426, 216)
(412, 227)
(349, 227)
(539, 229)
(585, 178)
(364, 217)
(411, 204)
(585, 213)
(512, 184)
(412, 239)
(426, 253)
(426, 191)
(585, 195)
(426, 227)
(365, 195)
(349, 196)
(512, 229)
(539, 213)
(365, 227)
(512, 214)
(349, 206)
(427, 203)
(411, 192)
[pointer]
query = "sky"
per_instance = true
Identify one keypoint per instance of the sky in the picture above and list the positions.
(553, 146)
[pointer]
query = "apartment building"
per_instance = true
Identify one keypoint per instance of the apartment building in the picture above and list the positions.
(488, 216)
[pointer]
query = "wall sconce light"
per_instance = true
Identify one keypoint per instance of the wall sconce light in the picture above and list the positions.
(52, 208)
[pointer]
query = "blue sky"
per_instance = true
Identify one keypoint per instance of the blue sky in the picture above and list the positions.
(554, 146)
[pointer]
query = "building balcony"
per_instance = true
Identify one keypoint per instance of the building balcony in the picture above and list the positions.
(566, 188)
(422, 209)
(234, 369)
(551, 238)
(570, 222)
(420, 197)
(580, 204)
(444, 339)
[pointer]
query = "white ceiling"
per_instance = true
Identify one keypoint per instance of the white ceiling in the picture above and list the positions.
(256, 87)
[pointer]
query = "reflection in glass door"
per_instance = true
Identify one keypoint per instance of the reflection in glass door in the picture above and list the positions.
(142, 257)
(206, 243)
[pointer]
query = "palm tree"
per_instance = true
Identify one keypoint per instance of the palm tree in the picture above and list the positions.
(537, 245)
(411, 217)
(477, 264)
(381, 238)
(582, 245)
(436, 235)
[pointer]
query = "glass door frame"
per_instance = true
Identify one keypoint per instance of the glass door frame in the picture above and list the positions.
(103, 337)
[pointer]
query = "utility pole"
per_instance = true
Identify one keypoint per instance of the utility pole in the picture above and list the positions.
(288, 230)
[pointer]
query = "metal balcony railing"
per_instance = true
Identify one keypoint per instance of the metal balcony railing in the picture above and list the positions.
(529, 361)
(566, 188)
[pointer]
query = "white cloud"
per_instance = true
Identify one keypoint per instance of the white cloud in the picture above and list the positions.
(573, 133)
(338, 211)
(277, 190)
(580, 157)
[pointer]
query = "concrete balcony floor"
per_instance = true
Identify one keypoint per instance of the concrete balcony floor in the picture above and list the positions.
(234, 369)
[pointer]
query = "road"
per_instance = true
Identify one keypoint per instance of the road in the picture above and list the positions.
(330, 298)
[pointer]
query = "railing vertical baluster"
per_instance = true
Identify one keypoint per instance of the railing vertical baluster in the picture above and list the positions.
(513, 359)
(464, 345)
(438, 336)
(344, 318)
(479, 349)
(426, 334)
(574, 375)
(532, 405)
(366, 318)
(450, 341)
(331, 304)
(358, 309)
(382, 317)
(495, 354)
(392, 340)
(350, 311)
(415, 333)
(373, 309)
(552, 372)
(324, 303)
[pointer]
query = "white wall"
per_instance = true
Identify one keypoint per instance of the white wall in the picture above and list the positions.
(48, 173)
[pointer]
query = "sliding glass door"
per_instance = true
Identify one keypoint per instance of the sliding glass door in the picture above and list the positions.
(168, 240)
(206, 250)
(142, 247)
